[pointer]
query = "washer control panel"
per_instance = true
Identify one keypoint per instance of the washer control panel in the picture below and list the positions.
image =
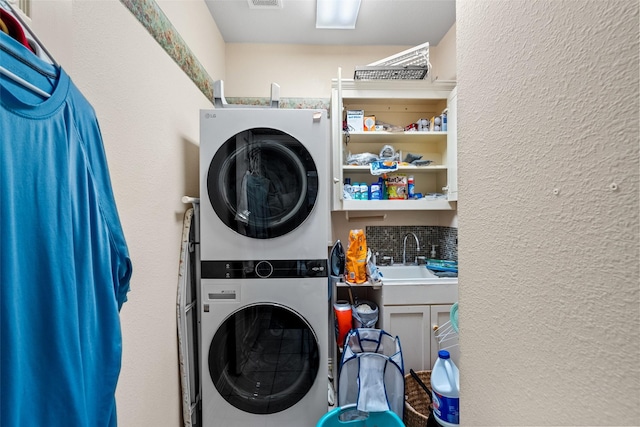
(263, 269)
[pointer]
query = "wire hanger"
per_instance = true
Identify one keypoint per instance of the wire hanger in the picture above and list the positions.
(15, 77)
(10, 8)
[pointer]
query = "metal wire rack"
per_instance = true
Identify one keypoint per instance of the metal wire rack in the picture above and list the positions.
(410, 64)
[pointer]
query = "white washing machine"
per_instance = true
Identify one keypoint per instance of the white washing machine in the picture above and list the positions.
(264, 184)
(264, 233)
(264, 350)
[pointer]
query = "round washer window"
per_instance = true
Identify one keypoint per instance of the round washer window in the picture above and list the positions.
(262, 183)
(264, 358)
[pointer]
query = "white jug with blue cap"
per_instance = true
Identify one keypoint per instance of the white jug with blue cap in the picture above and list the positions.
(445, 386)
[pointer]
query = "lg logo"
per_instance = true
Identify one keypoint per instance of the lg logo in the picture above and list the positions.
(209, 116)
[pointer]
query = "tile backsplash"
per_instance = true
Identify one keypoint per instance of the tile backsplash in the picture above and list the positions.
(388, 241)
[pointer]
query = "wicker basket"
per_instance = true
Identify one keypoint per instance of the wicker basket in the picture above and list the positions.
(417, 403)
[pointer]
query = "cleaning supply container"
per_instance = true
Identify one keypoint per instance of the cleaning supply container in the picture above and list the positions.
(349, 416)
(355, 191)
(343, 321)
(364, 191)
(411, 187)
(376, 190)
(445, 387)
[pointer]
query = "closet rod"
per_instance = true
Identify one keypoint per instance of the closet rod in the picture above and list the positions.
(16, 14)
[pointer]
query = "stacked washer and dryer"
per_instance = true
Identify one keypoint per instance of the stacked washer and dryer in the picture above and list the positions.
(263, 304)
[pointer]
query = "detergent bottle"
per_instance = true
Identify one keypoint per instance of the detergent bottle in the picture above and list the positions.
(445, 387)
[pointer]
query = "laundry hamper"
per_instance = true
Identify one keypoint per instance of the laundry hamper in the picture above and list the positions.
(372, 372)
(417, 403)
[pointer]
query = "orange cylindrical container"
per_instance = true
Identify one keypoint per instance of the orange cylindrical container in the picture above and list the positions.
(343, 318)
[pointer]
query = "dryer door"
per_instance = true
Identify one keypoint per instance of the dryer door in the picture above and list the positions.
(262, 183)
(264, 358)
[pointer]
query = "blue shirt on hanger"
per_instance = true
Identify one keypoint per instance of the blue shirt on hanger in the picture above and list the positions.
(65, 266)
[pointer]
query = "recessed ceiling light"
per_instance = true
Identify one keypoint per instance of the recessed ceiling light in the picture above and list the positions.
(337, 14)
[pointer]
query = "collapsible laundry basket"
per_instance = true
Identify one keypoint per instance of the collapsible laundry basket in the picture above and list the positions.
(372, 372)
(349, 416)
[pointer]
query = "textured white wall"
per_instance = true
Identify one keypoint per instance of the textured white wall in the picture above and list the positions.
(148, 112)
(549, 285)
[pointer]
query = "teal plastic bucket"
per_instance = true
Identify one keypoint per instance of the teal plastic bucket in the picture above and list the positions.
(349, 416)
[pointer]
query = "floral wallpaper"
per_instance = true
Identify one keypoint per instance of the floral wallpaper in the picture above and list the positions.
(158, 25)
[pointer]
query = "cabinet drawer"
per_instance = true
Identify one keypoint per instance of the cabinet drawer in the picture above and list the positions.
(399, 294)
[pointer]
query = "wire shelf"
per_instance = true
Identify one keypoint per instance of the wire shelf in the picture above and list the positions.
(390, 73)
(410, 64)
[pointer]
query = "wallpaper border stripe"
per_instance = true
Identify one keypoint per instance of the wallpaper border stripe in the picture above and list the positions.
(158, 25)
(151, 16)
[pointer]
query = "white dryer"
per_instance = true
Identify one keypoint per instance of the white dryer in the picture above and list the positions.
(264, 184)
(264, 349)
(264, 234)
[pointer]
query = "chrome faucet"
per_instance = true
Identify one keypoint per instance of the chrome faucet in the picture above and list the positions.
(404, 246)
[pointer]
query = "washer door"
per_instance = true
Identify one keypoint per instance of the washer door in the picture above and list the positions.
(262, 183)
(264, 358)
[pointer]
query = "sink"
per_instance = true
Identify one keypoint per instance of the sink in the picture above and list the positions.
(405, 273)
(415, 285)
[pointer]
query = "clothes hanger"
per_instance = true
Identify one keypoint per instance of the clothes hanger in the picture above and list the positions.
(23, 82)
(9, 8)
(15, 28)
(3, 27)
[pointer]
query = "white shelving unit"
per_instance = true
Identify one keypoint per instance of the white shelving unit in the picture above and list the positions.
(397, 103)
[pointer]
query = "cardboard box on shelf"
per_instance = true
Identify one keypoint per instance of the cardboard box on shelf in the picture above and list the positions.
(355, 120)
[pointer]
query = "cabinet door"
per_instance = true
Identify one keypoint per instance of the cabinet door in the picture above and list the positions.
(336, 149)
(440, 317)
(452, 146)
(412, 324)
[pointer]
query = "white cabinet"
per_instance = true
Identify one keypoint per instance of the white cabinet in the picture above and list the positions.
(396, 103)
(414, 324)
(411, 311)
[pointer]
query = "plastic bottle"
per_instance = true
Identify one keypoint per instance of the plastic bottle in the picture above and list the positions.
(364, 191)
(376, 191)
(411, 187)
(355, 191)
(445, 386)
(347, 190)
(383, 185)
